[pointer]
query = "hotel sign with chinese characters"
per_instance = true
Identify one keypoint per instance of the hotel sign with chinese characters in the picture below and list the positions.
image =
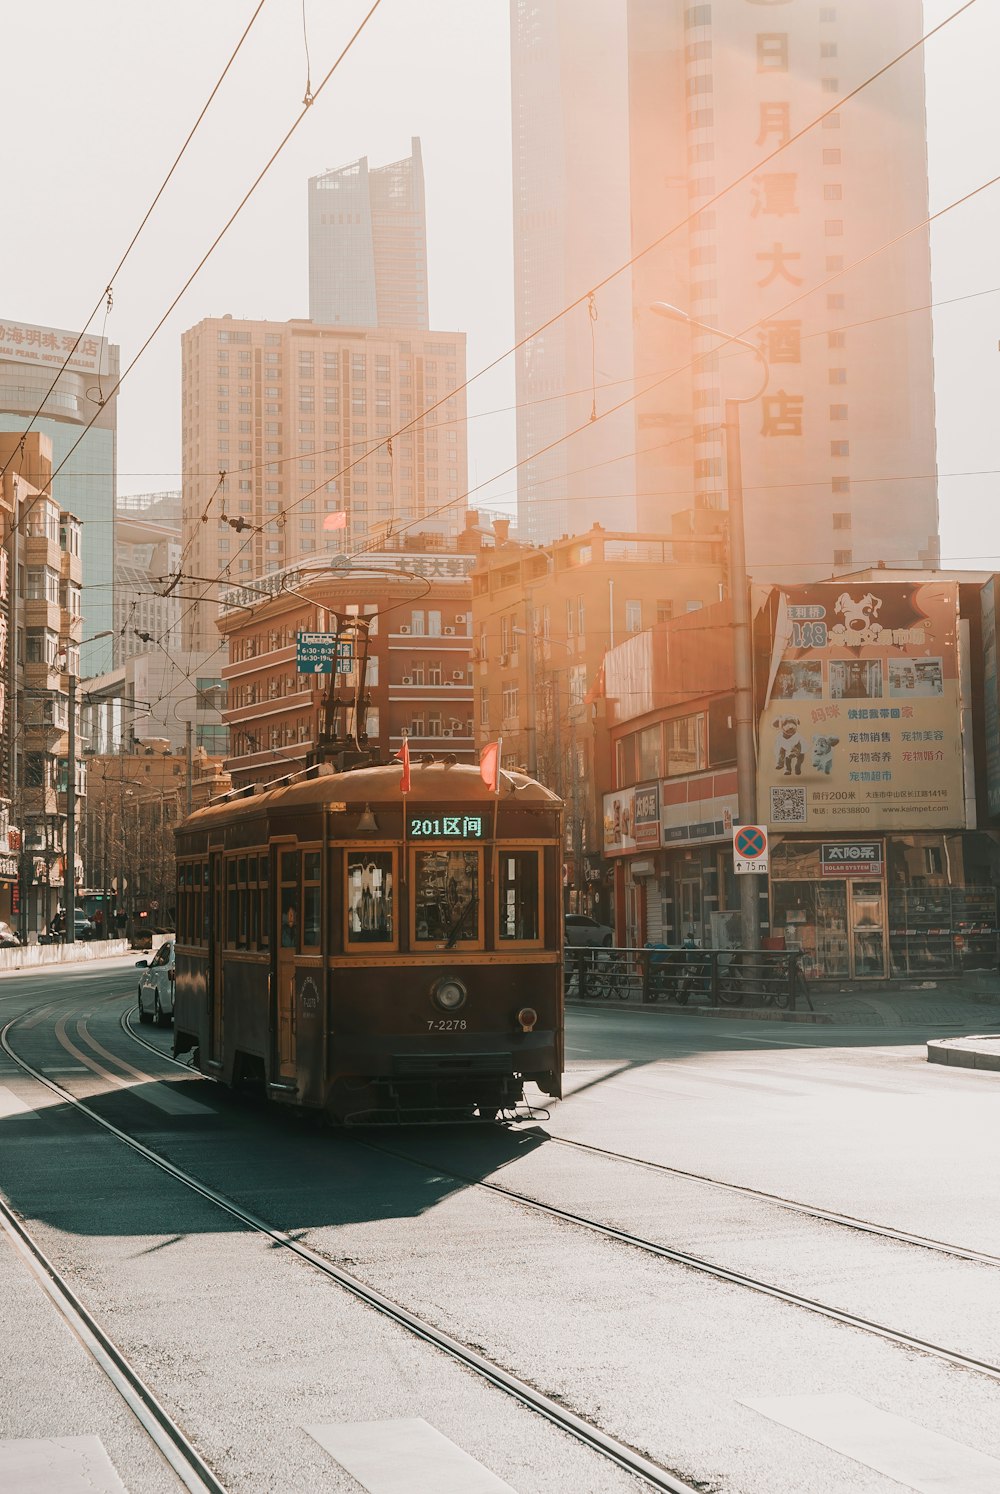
(24, 342)
(446, 826)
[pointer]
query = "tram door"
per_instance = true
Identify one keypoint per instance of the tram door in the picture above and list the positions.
(215, 995)
(288, 940)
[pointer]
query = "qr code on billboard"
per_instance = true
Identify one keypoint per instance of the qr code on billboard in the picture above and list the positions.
(788, 806)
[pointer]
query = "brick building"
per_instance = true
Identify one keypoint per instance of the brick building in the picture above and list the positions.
(419, 671)
(543, 619)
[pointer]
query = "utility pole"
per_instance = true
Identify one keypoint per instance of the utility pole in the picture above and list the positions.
(530, 720)
(189, 753)
(69, 878)
(746, 753)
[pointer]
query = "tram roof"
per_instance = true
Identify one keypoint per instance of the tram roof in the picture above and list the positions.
(430, 783)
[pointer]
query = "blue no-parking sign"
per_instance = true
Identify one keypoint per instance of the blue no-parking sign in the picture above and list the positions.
(750, 848)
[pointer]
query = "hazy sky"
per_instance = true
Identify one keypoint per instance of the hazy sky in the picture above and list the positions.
(98, 98)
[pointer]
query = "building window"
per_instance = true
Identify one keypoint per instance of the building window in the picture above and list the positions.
(841, 484)
(836, 339)
(842, 521)
(834, 228)
(838, 412)
(509, 702)
(832, 157)
(840, 448)
(633, 617)
(838, 375)
(484, 705)
(843, 557)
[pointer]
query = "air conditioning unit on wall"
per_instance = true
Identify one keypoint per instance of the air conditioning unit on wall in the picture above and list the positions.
(404, 627)
(407, 679)
(449, 632)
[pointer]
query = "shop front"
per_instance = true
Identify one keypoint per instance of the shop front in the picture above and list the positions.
(886, 907)
(671, 846)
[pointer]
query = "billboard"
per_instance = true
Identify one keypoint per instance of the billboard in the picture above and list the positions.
(26, 342)
(862, 726)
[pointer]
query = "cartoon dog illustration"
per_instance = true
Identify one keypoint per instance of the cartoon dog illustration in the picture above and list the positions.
(822, 758)
(858, 615)
(789, 746)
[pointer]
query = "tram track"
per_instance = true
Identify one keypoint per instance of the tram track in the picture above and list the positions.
(653, 1475)
(840, 1316)
(809, 1211)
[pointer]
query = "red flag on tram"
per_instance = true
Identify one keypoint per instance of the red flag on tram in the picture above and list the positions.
(404, 757)
(489, 766)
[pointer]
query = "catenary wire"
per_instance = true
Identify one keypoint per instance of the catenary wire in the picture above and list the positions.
(213, 246)
(106, 293)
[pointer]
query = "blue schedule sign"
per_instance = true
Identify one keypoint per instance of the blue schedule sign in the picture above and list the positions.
(314, 653)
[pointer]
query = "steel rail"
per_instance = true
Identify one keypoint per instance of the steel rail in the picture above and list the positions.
(629, 1459)
(811, 1211)
(825, 1216)
(708, 1268)
(179, 1452)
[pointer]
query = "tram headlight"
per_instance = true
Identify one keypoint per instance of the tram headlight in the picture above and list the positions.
(449, 994)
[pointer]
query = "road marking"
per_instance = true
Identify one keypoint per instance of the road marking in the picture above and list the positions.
(153, 1091)
(58, 1465)
(405, 1457)
(912, 1455)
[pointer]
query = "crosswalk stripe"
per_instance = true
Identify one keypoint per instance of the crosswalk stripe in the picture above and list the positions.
(58, 1465)
(12, 1105)
(902, 1450)
(405, 1457)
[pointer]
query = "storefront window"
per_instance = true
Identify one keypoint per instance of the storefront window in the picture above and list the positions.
(650, 753)
(518, 913)
(446, 905)
(369, 897)
(685, 745)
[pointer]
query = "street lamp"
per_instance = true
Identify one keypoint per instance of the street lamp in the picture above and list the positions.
(69, 867)
(746, 766)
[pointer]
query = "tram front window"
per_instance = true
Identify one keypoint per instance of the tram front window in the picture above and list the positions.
(446, 897)
(518, 911)
(369, 897)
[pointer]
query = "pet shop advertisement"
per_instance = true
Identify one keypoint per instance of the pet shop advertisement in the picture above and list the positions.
(862, 727)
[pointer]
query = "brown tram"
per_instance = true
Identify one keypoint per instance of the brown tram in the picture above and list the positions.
(378, 957)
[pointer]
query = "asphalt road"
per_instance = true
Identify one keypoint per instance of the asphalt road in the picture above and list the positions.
(730, 1388)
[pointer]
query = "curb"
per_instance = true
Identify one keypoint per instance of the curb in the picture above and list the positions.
(966, 1052)
(734, 1013)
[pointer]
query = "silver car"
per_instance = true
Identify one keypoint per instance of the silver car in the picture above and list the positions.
(156, 986)
(586, 933)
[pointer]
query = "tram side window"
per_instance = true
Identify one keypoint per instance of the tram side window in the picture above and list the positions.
(232, 905)
(311, 899)
(243, 926)
(370, 892)
(289, 904)
(446, 907)
(264, 935)
(518, 914)
(206, 903)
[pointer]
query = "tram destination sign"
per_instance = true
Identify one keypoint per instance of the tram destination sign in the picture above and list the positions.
(314, 653)
(847, 858)
(446, 826)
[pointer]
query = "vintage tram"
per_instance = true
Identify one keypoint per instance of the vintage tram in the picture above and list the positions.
(378, 956)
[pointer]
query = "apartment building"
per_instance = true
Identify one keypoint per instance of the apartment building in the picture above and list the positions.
(300, 419)
(418, 679)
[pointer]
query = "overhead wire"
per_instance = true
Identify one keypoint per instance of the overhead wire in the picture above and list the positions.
(215, 242)
(106, 295)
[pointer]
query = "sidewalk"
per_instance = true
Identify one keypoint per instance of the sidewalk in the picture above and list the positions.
(960, 1006)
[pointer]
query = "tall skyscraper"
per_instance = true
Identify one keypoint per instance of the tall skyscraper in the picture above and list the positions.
(368, 245)
(300, 418)
(30, 355)
(839, 451)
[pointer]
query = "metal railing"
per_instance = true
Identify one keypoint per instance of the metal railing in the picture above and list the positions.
(682, 976)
